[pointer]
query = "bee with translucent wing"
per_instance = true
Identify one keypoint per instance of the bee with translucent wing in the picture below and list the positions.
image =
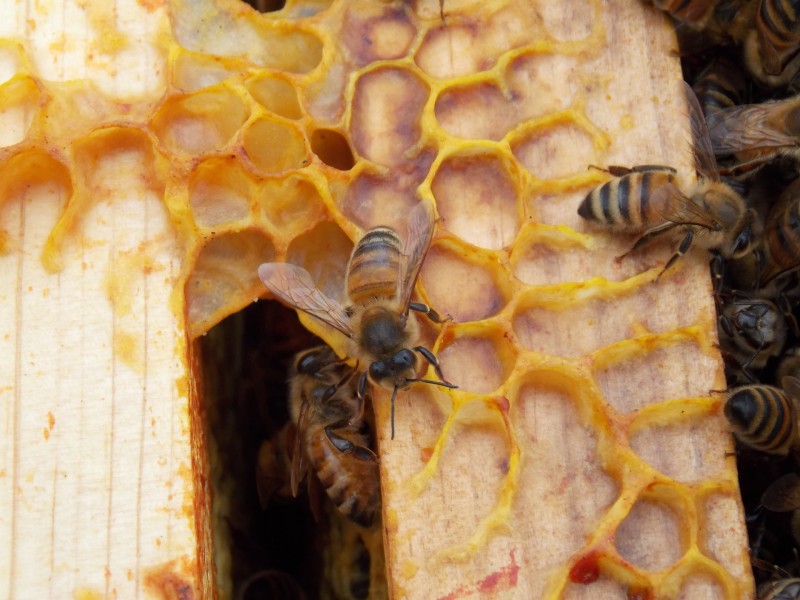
(649, 200)
(380, 279)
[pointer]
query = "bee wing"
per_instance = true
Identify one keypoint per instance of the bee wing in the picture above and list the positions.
(746, 127)
(704, 161)
(791, 387)
(294, 286)
(678, 208)
(783, 494)
(418, 239)
(299, 463)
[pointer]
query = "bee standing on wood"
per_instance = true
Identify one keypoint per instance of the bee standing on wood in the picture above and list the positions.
(380, 280)
(649, 199)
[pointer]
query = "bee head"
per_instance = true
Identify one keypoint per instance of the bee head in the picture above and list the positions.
(395, 370)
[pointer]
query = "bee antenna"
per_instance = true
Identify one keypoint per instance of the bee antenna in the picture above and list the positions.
(446, 384)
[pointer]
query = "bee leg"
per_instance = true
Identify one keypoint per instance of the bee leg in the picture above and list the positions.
(646, 238)
(345, 446)
(614, 170)
(687, 241)
(429, 356)
(331, 390)
(429, 312)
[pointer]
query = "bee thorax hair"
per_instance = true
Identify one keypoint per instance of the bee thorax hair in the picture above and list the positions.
(383, 332)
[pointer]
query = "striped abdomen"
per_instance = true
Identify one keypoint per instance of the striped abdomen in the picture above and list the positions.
(375, 266)
(778, 31)
(625, 202)
(762, 417)
(783, 237)
(352, 485)
(720, 86)
(688, 11)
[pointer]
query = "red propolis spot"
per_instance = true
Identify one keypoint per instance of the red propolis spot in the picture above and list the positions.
(425, 454)
(586, 570)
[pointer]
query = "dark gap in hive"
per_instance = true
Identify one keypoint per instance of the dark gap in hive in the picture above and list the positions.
(245, 361)
(774, 551)
(275, 550)
(266, 6)
(332, 148)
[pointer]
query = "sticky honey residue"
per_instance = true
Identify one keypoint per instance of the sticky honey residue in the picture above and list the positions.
(464, 115)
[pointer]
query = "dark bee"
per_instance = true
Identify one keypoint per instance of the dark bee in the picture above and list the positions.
(328, 414)
(772, 48)
(764, 417)
(751, 332)
(781, 241)
(721, 85)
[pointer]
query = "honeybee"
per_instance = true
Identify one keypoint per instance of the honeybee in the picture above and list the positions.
(648, 199)
(772, 48)
(782, 589)
(751, 331)
(720, 85)
(756, 133)
(694, 13)
(718, 21)
(764, 417)
(329, 417)
(780, 251)
(783, 495)
(380, 278)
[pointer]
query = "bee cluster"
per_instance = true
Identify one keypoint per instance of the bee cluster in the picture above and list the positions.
(742, 59)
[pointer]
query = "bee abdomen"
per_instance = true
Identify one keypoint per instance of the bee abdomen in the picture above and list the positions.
(374, 265)
(351, 485)
(625, 201)
(777, 20)
(691, 11)
(784, 237)
(763, 418)
(721, 86)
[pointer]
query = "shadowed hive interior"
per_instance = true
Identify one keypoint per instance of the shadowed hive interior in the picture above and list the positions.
(282, 136)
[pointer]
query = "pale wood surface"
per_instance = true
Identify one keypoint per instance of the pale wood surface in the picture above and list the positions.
(96, 477)
(478, 503)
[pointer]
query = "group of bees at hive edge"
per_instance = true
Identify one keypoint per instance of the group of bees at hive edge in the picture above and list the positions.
(741, 59)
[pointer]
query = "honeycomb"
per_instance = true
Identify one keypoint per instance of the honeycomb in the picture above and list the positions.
(583, 455)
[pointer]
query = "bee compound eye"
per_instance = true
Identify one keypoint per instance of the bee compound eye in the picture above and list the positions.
(308, 364)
